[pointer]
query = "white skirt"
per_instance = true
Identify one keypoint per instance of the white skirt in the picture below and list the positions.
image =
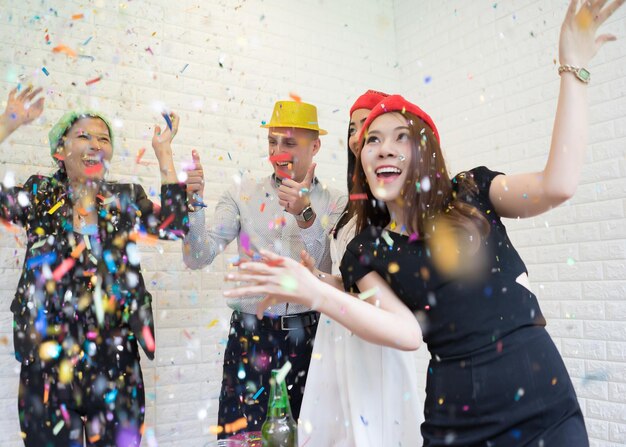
(358, 394)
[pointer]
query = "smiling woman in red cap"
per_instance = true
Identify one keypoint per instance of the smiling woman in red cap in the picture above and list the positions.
(81, 309)
(369, 392)
(436, 247)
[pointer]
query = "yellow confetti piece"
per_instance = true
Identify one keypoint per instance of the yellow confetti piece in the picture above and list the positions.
(387, 238)
(368, 293)
(49, 350)
(289, 283)
(66, 371)
(57, 428)
(56, 207)
(393, 267)
(212, 323)
(216, 429)
(584, 18)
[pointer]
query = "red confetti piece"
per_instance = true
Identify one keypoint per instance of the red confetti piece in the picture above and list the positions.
(361, 196)
(166, 222)
(274, 262)
(63, 268)
(282, 174)
(281, 157)
(59, 156)
(93, 81)
(140, 154)
(262, 207)
(90, 170)
(148, 338)
(295, 97)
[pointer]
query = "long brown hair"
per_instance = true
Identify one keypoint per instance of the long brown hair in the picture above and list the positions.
(429, 193)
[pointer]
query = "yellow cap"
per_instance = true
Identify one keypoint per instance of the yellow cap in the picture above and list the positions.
(294, 114)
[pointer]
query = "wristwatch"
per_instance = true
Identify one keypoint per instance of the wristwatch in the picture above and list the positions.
(581, 73)
(305, 215)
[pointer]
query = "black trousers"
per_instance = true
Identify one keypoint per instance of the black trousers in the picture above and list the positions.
(101, 399)
(254, 348)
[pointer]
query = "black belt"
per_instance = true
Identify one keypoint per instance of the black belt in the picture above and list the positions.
(278, 323)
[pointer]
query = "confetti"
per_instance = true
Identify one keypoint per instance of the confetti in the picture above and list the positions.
(148, 338)
(140, 154)
(56, 207)
(77, 16)
(64, 49)
(45, 71)
(361, 196)
(289, 283)
(368, 293)
(387, 238)
(87, 41)
(295, 97)
(258, 393)
(184, 68)
(282, 372)
(93, 81)
(239, 424)
(63, 268)
(167, 120)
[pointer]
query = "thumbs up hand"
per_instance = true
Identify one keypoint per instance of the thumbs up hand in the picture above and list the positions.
(195, 179)
(294, 196)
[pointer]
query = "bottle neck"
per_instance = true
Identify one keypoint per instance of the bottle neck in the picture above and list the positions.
(278, 400)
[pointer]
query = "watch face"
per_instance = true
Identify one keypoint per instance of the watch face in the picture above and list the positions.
(584, 75)
(307, 214)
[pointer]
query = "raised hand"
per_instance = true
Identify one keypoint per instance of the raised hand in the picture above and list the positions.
(20, 110)
(294, 196)
(162, 145)
(162, 140)
(195, 179)
(578, 43)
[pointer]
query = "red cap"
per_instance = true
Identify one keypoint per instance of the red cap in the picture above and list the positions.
(396, 103)
(367, 100)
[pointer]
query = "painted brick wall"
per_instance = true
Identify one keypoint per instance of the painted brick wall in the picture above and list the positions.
(486, 72)
(221, 65)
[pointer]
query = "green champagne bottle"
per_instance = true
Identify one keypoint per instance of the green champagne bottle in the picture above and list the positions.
(279, 428)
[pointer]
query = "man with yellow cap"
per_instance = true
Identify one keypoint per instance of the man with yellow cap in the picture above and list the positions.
(288, 211)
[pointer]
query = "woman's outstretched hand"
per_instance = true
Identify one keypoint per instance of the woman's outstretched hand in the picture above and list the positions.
(279, 279)
(20, 110)
(578, 43)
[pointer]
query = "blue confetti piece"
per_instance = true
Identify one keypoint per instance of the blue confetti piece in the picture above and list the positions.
(47, 258)
(109, 261)
(258, 393)
(427, 79)
(45, 71)
(363, 420)
(88, 40)
(110, 397)
(168, 120)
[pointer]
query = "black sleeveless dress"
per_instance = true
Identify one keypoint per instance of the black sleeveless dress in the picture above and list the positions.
(495, 377)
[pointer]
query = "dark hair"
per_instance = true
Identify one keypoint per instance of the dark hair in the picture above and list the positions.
(441, 200)
(347, 211)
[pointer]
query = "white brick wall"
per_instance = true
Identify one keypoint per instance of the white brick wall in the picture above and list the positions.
(492, 92)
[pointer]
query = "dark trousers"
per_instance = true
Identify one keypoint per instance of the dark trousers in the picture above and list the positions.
(254, 348)
(100, 400)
